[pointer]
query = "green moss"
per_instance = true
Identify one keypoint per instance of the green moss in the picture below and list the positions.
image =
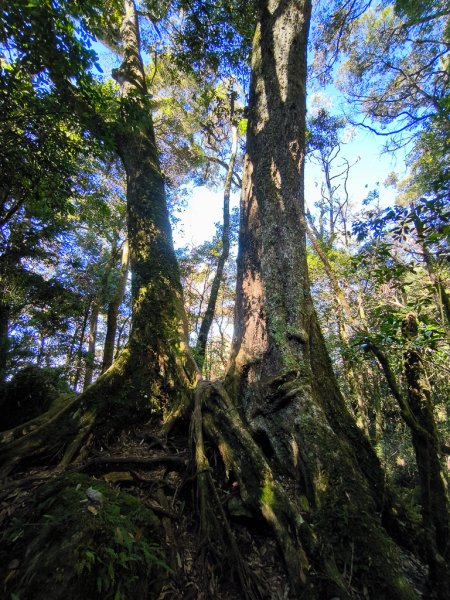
(68, 548)
(355, 545)
(268, 494)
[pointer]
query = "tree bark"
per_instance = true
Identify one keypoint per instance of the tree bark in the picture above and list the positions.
(202, 340)
(113, 310)
(280, 370)
(433, 484)
(79, 354)
(156, 361)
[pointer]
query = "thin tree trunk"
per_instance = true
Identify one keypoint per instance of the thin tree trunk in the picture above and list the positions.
(119, 336)
(338, 292)
(218, 277)
(345, 321)
(113, 310)
(4, 339)
(92, 339)
(95, 310)
(71, 350)
(41, 353)
(79, 354)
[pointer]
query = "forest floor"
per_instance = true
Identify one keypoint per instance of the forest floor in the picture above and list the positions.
(161, 475)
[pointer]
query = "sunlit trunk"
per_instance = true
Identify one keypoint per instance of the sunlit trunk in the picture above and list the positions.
(281, 374)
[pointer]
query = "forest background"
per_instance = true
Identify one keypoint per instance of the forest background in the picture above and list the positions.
(377, 262)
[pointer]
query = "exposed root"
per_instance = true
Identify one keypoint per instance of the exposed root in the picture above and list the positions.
(35, 426)
(39, 436)
(214, 530)
(264, 488)
(257, 486)
(86, 423)
(173, 461)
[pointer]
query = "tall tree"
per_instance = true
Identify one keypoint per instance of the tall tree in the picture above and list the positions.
(286, 449)
(280, 365)
(113, 309)
(156, 363)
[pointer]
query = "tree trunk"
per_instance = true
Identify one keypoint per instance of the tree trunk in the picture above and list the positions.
(95, 310)
(280, 370)
(113, 310)
(79, 354)
(156, 361)
(4, 339)
(202, 340)
(433, 488)
(92, 339)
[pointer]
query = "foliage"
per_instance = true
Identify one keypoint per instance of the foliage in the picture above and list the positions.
(80, 548)
(30, 393)
(216, 36)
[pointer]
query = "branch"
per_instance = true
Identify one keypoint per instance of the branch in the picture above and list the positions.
(405, 410)
(236, 179)
(11, 212)
(389, 133)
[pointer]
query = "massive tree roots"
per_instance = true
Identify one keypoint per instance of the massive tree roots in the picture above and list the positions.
(239, 507)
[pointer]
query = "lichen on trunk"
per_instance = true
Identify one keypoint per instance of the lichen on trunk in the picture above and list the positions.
(280, 376)
(155, 372)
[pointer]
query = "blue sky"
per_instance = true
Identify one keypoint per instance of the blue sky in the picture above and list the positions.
(204, 207)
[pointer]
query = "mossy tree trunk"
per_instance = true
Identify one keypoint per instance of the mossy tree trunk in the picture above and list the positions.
(281, 376)
(157, 350)
(433, 483)
(155, 371)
